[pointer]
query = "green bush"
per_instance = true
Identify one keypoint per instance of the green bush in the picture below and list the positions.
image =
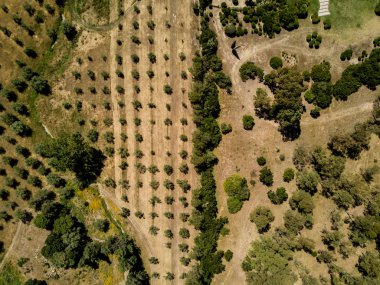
(225, 128)
(230, 30)
(321, 72)
(288, 175)
(234, 205)
(261, 160)
(315, 112)
(266, 176)
(262, 217)
(327, 24)
(250, 71)
(248, 122)
(228, 255)
(346, 55)
(323, 94)
(237, 189)
(278, 197)
(309, 96)
(275, 62)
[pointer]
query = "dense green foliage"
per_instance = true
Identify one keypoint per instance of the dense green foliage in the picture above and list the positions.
(265, 17)
(248, 122)
(321, 89)
(278, 197)
(346, 55)
(206, 108)
(71, 152)
(266, 176)
(267, 262)
(354, 76)
(262, 217)
(237, 190)
(249, 70)
(287, 86)
(275, 62)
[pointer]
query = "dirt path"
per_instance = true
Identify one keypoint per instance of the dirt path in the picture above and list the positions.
(114, 95)
(11, 246)
(337, 115)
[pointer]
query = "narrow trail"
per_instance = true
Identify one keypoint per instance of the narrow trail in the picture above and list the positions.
(337, 115)
(14, 241)
(114, 95)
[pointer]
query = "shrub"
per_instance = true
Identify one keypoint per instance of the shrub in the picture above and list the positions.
(302, 201)
(323, 94)
(30, 53)
(21, 129)
(40, 85)
(102, 225)
(234, 205)
(69, 31)
(346, 55)
(315, 112)
(376, 42)
(261, 160)
(228, 255)
(152, 57)
(225, 128)
(266, 176)
(248, 122)
(307, 181)
(278, 197)
(288, 175)
(327, 24)
(230, 30)
(275, 62)
(262, 217)
(315, 19)
(250, 71)
(321, 72)
(237, 189)
(168, 89)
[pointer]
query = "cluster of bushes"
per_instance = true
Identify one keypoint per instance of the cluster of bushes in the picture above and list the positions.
(321, 89)
(71, 152)
(69, 246)
(354, 76)
(268, 259)
(314, 40)
(352, 144)
(249, 70)
(287, 107)
(237, 190)
(265, 17)
(262, 217)
(248, 122)
(205, 103)
(346, 55)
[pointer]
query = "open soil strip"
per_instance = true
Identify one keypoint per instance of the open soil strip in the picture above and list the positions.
(114, 97)
(130, 113)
